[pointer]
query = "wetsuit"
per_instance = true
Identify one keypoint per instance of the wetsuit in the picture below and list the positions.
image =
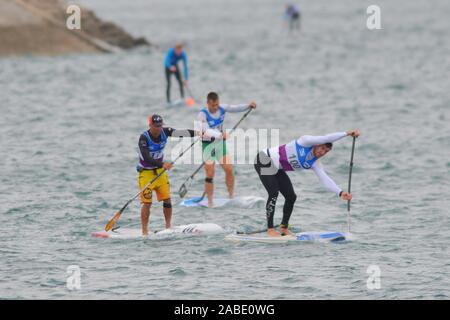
(297, 155)
(172, 60)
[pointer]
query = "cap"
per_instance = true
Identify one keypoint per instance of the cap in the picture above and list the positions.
(155, 120)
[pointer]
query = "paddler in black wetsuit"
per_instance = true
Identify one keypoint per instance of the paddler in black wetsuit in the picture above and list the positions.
(151, 163)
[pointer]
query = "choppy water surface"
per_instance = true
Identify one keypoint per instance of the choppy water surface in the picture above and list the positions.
(69, 127)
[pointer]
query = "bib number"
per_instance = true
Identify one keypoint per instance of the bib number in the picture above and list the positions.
(156, 155)
(293, 161)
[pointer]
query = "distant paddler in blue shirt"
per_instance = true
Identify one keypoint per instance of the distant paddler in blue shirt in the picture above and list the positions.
(173, 56)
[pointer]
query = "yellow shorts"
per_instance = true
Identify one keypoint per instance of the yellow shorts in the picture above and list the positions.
(161, 186)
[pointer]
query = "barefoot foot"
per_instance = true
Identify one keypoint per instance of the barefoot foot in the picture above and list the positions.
(285, 232)
(273, 233)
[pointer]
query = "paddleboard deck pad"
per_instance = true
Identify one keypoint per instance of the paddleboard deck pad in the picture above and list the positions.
(194, 229)
(324, 236)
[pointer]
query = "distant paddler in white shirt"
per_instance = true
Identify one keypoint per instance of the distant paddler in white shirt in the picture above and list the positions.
(298, 155)
(210, 123)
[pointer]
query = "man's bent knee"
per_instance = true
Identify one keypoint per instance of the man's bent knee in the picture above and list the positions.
(291, 197)
(167, 204)
(209, 180)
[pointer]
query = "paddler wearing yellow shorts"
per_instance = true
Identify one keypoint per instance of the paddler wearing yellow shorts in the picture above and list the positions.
(151, 163)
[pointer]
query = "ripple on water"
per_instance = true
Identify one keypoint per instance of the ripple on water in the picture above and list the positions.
(178, 271)
(216, 251)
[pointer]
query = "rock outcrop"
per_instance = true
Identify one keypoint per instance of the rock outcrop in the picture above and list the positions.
(39, 27)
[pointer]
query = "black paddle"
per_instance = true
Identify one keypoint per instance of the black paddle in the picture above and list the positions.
(350, 182)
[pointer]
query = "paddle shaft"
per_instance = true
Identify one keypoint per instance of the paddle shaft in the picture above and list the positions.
(203, 163)
(189, 92)
(350, 182)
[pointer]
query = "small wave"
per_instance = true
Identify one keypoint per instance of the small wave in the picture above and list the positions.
(247, 202)
(216, 250)
(177, 272)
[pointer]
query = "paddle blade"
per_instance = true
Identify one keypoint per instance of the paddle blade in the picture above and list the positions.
(198, 199)
(190, 102)
(183, 190)
(113, 221)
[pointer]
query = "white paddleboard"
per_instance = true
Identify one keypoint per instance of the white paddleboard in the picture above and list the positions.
(193, 229)
(258, 237)
(193, 202)
(242, 202)
(324, 236)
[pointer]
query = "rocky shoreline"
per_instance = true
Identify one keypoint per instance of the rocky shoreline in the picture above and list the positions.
(38, 27)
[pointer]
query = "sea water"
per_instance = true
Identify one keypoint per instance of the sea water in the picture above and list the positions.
(69, 128)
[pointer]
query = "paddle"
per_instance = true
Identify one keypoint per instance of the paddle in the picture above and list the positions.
(117, 215)
(350, 183)
(184, 187)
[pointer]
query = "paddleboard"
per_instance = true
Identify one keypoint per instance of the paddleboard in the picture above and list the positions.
(246, 202)
(193, 229)
(258, 237)
(324, 236)
(194, 202)
(176, 103)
